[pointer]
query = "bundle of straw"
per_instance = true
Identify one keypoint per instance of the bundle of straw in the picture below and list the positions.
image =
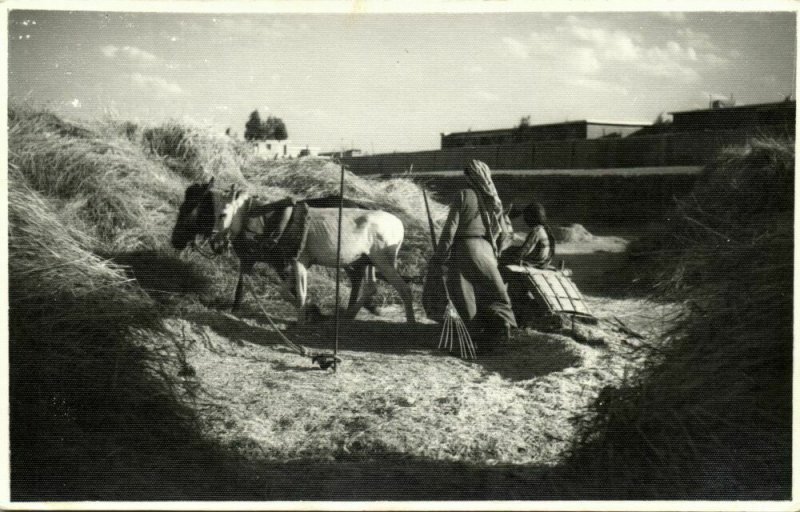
(452, 322)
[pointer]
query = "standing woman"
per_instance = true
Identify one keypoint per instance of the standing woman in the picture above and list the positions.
(472, 237)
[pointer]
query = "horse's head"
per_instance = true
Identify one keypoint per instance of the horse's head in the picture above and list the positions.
(228, 219)
(195, 215)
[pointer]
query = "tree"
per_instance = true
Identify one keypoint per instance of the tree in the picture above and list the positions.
(280, 130)
(253, 129)
(274, 128)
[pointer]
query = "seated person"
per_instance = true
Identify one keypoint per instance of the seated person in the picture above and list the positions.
(539, 247)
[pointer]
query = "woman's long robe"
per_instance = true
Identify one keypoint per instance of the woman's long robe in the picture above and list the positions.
(467, 259)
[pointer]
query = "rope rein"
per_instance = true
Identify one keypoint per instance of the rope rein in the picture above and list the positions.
(292, 345)
(325, 361)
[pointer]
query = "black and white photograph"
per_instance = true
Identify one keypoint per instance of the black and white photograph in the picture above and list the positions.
(373, 255)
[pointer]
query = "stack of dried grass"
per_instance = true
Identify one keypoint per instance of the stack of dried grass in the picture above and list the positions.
(80, 387)
(194, 152)
(710, 418)
(93, 377)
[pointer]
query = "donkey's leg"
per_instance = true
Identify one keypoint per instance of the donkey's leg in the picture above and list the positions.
(369, 293)
(359, 295)
(384, 260)
(356, 275)
(245, 267)
(300, 274)
(287, 287)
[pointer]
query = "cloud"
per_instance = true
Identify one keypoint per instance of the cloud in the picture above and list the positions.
(666, 68)
(715, 60)
(157, 83)
(612, 45)
(131, 53)
(516, 47)
(583, 60)
(616, 46)
(676, 52)
(673, 16)
(621, 46)
(589, 51)
(544, 43)
(597, 85)
(699, 40)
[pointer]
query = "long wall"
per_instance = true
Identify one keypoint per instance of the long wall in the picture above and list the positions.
(676, 149)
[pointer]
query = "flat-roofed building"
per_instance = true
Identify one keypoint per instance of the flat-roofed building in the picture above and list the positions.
(569, 130)
(770, 117)
(278, 149)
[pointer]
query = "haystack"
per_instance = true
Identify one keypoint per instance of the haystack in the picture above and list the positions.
(711, 415)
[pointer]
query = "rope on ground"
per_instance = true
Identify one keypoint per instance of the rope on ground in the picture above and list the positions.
(325, 361)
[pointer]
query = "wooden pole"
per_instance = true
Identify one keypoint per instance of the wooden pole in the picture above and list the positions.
(430, 219)
(338, 264)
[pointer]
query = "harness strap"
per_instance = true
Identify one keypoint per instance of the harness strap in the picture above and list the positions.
(264, 209)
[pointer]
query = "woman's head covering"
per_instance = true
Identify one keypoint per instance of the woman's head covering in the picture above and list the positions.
(480, 180)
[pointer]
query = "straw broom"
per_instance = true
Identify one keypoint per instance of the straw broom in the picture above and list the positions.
(452, 325)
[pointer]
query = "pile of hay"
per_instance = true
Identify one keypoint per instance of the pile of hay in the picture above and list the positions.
(711, 416)
(97, 401)
(82, 386)
(572, 233)
(121, 196)
(192, 151)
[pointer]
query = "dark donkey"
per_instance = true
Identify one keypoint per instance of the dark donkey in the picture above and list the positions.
(263, 239)
(201, 202)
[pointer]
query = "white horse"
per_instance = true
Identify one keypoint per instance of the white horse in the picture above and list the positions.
(266, 232)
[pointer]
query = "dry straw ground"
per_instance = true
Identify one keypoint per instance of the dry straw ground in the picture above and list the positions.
(130, 381)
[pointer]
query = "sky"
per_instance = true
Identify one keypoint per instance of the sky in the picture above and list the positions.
(395, 82)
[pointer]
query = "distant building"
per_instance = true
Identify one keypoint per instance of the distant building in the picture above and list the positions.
(569, 130)
(346, 153)
(277, 149)
(772, 117)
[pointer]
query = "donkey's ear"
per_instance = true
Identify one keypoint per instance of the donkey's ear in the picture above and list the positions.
(237, 193)
(210, 183)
